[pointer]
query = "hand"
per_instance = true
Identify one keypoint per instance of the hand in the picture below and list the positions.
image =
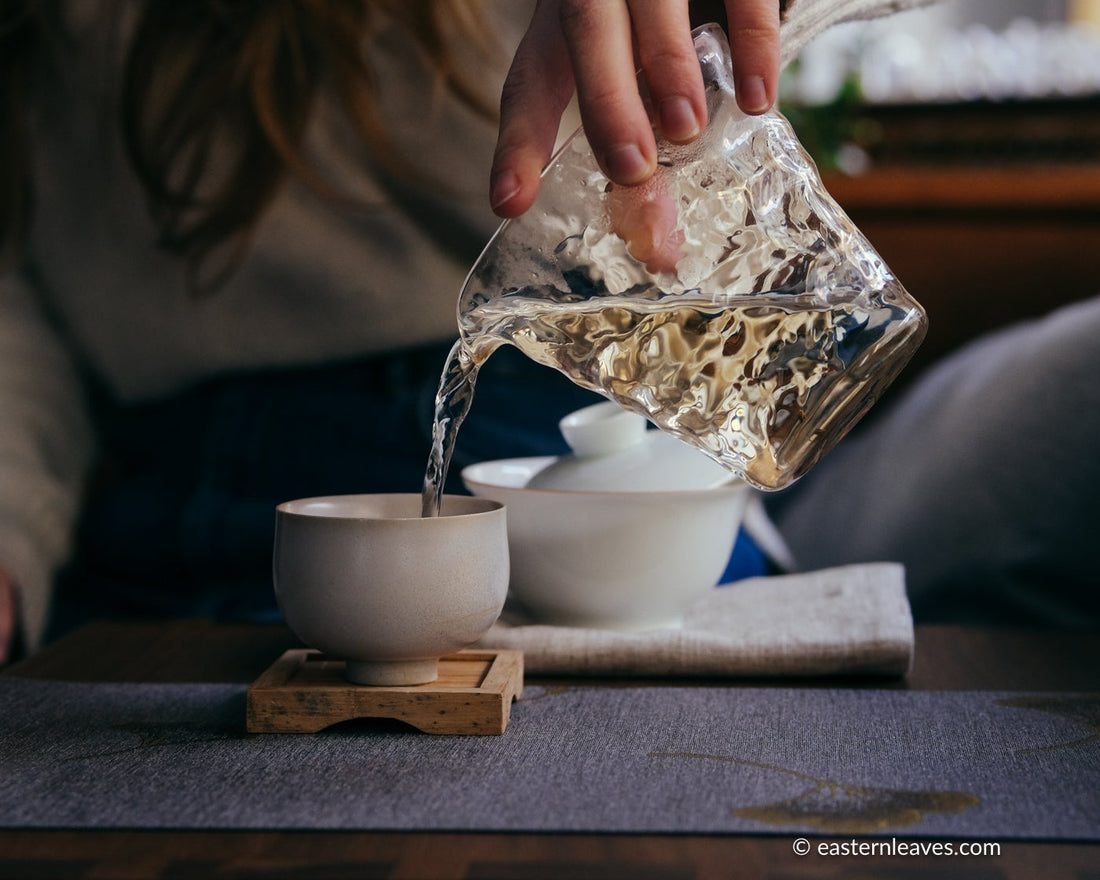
(595, 47)
(9, 615)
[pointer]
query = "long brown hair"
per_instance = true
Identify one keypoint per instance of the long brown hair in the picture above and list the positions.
(21, 32)
(235, 79)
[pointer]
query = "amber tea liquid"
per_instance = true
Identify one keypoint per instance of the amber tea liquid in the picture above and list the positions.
(737, 380)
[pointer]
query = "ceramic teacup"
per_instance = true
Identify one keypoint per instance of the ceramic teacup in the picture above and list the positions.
(366, 579)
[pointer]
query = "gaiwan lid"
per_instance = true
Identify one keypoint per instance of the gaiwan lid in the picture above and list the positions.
(614, 451)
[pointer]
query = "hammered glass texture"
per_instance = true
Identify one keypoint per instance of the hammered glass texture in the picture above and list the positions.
(729, 299)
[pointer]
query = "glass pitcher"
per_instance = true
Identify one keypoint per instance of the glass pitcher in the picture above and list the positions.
(728, 299)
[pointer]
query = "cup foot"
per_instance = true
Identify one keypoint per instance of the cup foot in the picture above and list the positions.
(391, 673)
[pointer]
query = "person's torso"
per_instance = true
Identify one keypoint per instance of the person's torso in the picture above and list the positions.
(322, 281)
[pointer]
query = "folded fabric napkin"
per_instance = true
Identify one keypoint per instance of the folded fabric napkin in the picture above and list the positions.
(849, 620)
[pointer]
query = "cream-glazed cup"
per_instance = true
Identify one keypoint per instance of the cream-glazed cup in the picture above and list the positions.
(366, 579)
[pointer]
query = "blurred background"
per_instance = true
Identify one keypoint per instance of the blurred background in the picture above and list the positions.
(964, 140)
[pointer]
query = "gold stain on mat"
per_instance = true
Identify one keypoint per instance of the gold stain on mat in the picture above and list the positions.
(839, 807)
(153, 735)
(1084, 709)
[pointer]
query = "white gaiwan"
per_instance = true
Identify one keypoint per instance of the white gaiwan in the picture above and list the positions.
(614, 451)
(624, 534)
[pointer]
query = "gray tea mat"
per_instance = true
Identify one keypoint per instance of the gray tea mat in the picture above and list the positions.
(705, 759)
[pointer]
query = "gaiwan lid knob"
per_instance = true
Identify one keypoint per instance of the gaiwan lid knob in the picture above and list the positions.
(614, 451)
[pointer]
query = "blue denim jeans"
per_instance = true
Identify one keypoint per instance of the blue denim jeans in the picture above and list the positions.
(180, 519)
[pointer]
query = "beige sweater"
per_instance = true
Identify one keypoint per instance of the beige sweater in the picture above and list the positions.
(96, 297)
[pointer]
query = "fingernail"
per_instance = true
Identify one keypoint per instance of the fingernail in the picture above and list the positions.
(626, 164)
(751, 94)
(503, 189)
(678, 122)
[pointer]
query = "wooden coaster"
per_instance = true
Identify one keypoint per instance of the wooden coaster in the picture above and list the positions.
(305, 691)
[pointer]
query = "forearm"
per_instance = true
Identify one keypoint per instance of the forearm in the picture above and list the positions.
(9, 615)
(803, 20)
(45, 450)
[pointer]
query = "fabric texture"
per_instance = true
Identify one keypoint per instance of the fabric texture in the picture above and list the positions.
(852, 620)
(805, 19)
(574, 758)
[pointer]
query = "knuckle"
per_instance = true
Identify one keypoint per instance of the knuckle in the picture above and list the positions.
(755, 33)
(665, 56)
(515, 89)
(578, 15)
